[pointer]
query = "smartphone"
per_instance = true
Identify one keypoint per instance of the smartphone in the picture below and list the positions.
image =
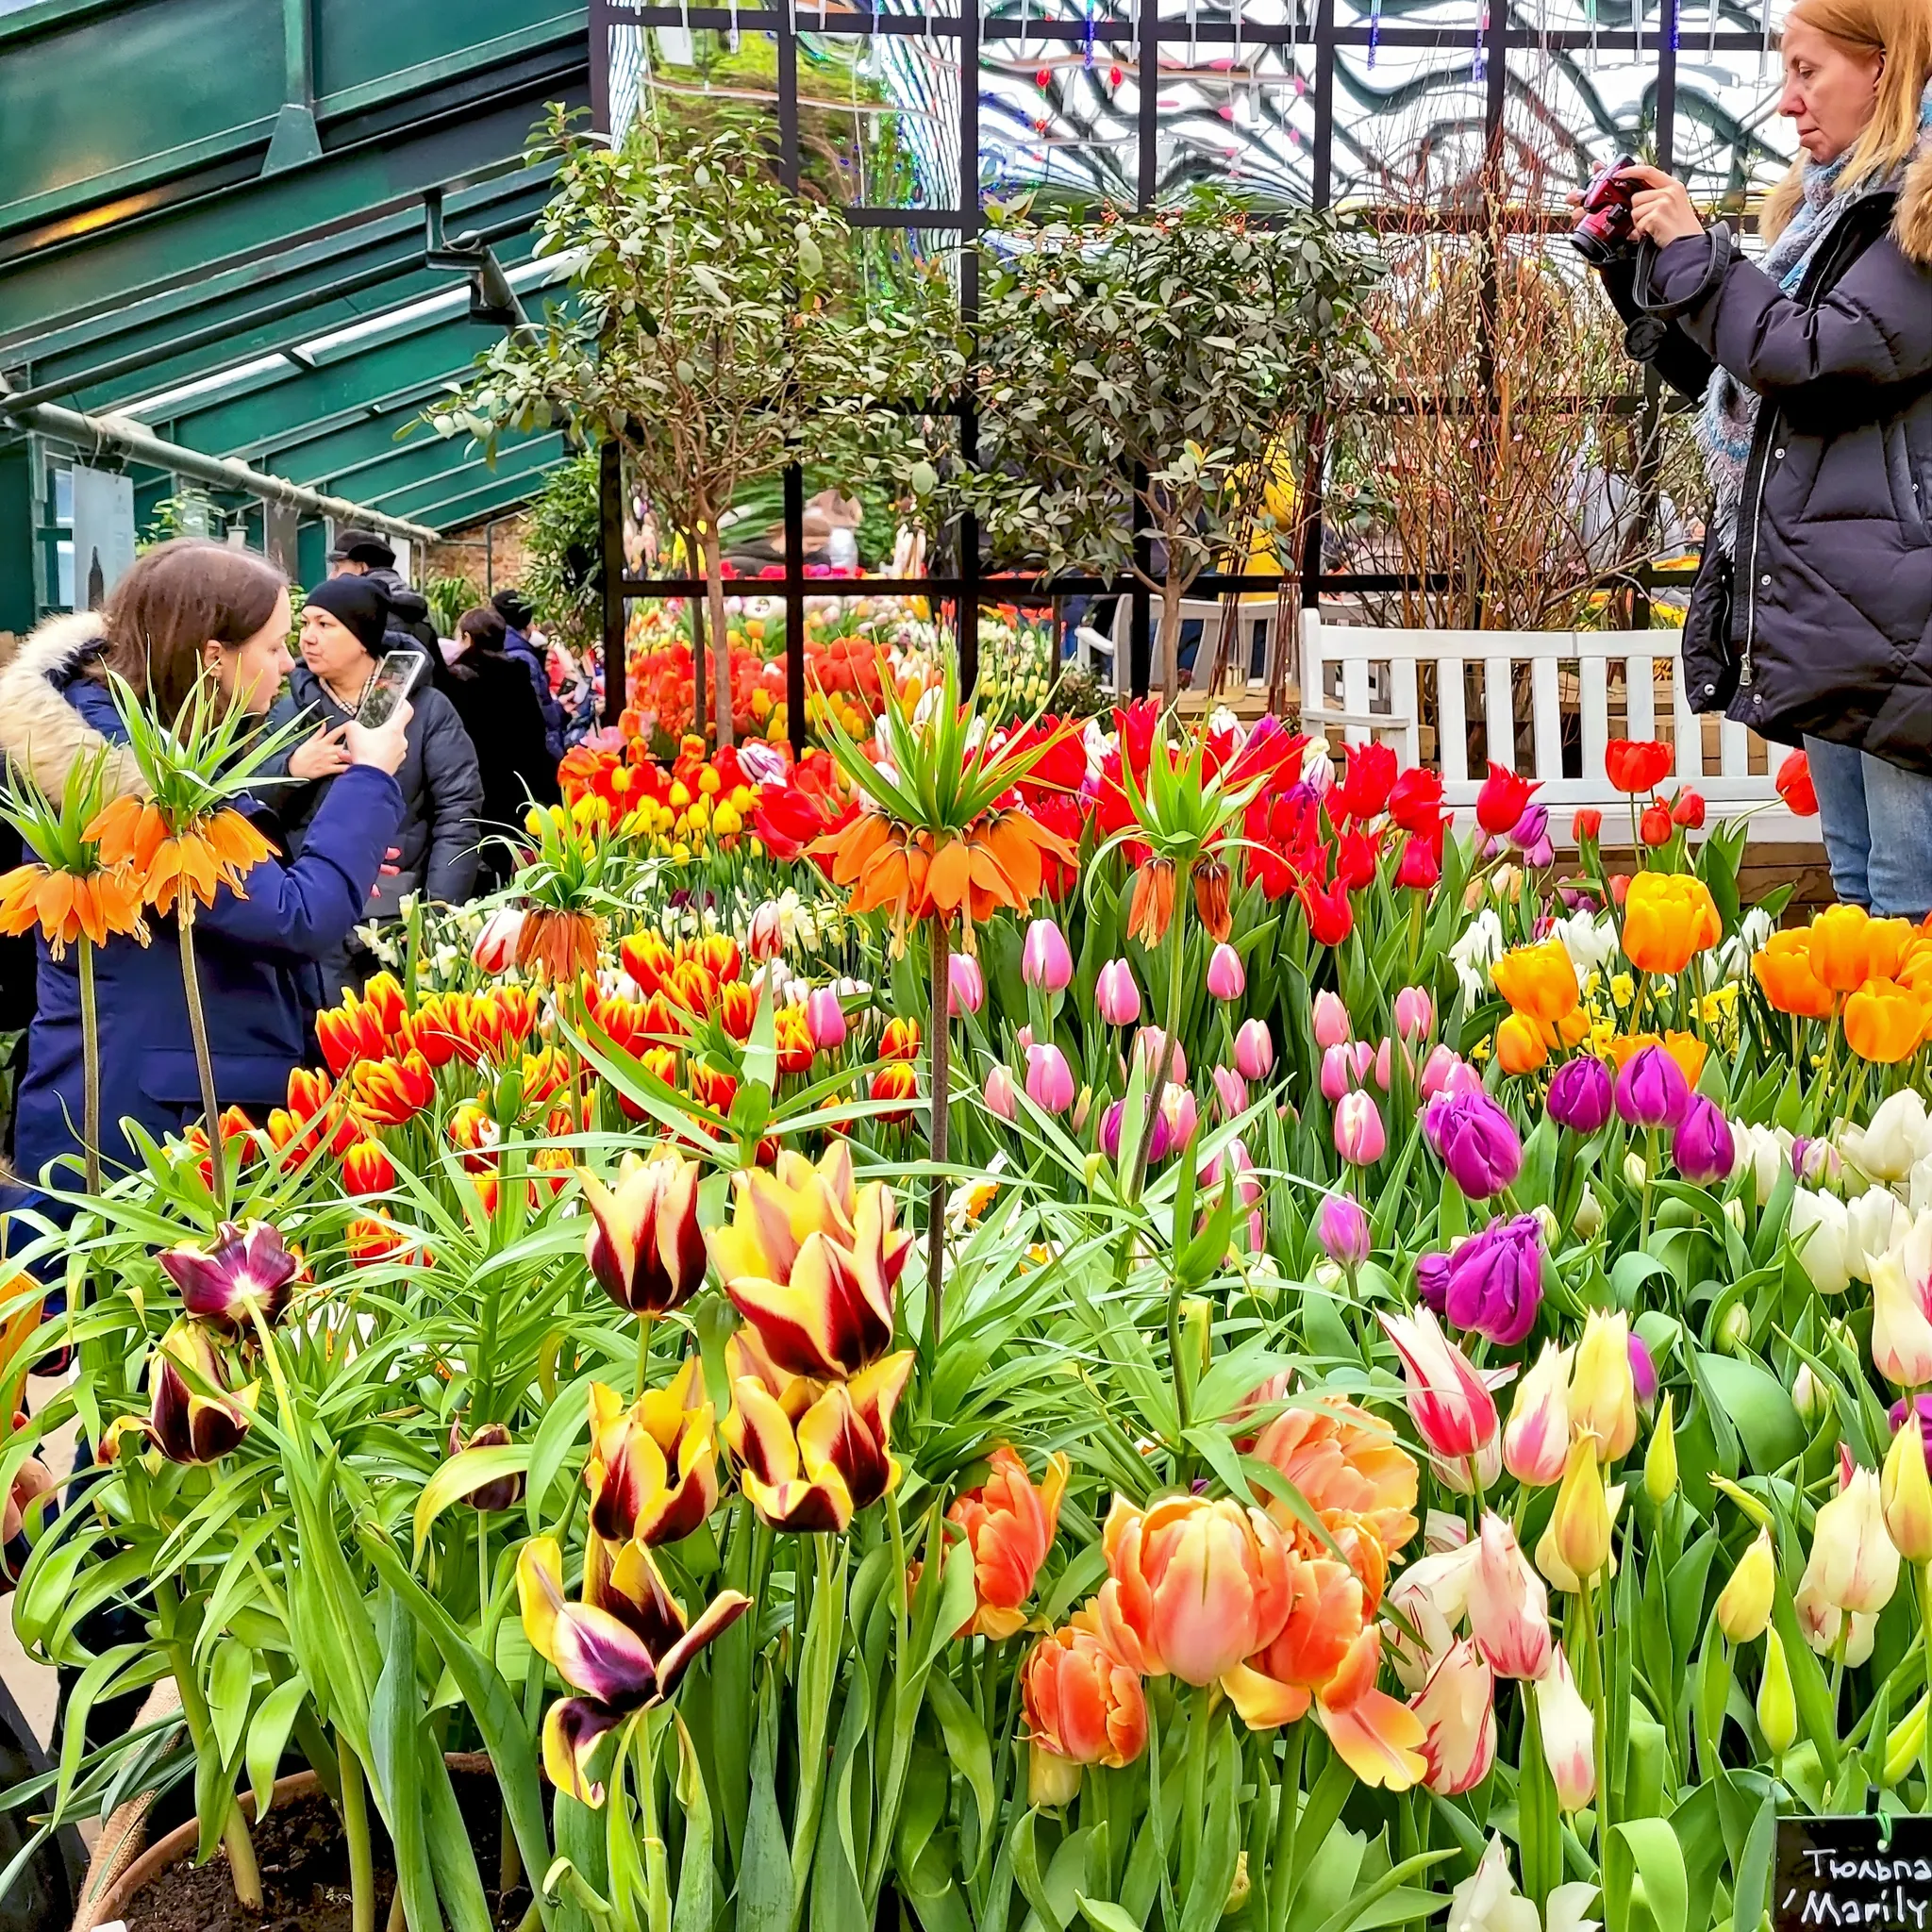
(395, 678)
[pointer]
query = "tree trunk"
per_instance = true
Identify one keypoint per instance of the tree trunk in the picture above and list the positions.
(694, 554)
(721, 636)
(1170, 639)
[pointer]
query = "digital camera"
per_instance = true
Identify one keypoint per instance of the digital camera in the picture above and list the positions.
(1604, 231)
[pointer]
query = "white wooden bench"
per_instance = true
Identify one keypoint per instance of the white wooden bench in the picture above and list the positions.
(1362, 683)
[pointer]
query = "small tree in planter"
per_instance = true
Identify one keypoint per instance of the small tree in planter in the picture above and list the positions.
(1144, 373)
(717, 325)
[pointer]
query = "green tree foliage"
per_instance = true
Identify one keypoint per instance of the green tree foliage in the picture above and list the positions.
(560, 551)
(1145, 373)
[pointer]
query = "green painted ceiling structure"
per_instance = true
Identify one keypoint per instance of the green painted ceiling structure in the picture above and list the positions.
(212, 219)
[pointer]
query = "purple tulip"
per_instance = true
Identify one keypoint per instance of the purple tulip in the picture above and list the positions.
(1642, 1370)
(1432, 1281)
(246, 1263)
(1254, 1050)
(1900, 1409)
(1580, 1096)
(1816, 1162)
(1115, 995)
(1110, 1130)
(1344, 1231)
(1703, 1147)
(1493, 1283)
(966, 992)
(1049, 1080)
(1477, 1143)
(1044, 960)
(1227, 979)
(193, 1421)
(1652, 1090)
(1532, 828)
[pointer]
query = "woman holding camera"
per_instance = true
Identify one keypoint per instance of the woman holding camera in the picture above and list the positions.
(1812, 618)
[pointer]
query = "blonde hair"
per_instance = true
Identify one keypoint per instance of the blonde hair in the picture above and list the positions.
(1901, 30)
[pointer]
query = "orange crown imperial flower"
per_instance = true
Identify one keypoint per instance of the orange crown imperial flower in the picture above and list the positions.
(69, 907)
(199, 857)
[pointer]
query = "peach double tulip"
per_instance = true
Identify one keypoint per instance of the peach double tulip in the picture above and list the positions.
(1083, 1707)
(1348, 1468)
(1009, 1526)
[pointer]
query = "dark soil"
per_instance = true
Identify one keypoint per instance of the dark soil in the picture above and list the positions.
(305, 1873)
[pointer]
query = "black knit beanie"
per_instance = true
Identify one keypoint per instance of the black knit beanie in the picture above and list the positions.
(357, 605)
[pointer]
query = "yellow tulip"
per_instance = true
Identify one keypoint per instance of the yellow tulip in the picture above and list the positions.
(1743, 1606)
(1777, 1703)
(1580, 1523)
(1603, 1399)
(1906, 1493)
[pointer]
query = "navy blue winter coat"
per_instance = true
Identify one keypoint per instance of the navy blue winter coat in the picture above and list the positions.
(259, 984)
(520, 650)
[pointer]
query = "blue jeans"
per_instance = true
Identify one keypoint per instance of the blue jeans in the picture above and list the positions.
(1877, 825)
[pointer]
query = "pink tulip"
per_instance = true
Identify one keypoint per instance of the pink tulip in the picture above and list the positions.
(495, 950)
(1458, 1708)
(1536, 1444)
(1150, 1052)
(1508, 1606)
(1115, 995)
(1568, 1734)
(1344, 1232)
(1180, 1114)
(1332, 1024)
(825, 1019)
(1254, 1050)
(1049, 1080)
(1454, 1411)
(765, 936)
(1436, 1071)
(1044, 960)
(999, 1093)
(1338, 1072)
(1415, 1013)
(1231, 1091)
(1384, 1059)
(1359, 1137)
(966, 992)
(1233, 1160)
(1227, 978)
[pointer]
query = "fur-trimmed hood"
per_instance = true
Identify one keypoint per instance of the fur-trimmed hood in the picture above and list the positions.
(40, 731)
(1911, 224)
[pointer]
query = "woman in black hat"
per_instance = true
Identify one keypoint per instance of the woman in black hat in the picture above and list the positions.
(342, 628)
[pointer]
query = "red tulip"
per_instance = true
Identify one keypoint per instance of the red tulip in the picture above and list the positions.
(1796, 788)
(1688, 809)
(1330, 917)
(1587, 825)
(1363, 794)
(1654, 828)
(1638, 766)
(1415, 802)
(1420, 868)
(1503, 800)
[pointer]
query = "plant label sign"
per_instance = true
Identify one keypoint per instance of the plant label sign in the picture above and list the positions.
(1833, 1871)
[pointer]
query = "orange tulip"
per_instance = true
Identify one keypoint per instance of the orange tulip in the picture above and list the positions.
(1783, 968)
(1009, 1526)
(1839, 945)
(1520, 1047)
(1194, 1587)
(1349, 1469)
(1540, 983)
(1668, 919)
(1888, 942)
(1885, 1021)
(351, 1032)
(389, 1092)
(1083, 1707)
(1685, 1048)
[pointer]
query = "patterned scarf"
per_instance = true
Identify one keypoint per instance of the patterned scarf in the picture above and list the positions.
(1729, 416)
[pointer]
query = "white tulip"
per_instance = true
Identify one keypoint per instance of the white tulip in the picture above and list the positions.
(1487, 1901)
(1877, 1222)
(1898, 1136)
(1763, 1153)
(1820, 1230)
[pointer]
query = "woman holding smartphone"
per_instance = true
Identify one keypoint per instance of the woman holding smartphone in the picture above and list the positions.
(1811, 619)
(188, 614)
(342, 628)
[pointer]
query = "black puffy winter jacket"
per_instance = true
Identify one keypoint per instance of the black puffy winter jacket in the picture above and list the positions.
(1821, 622)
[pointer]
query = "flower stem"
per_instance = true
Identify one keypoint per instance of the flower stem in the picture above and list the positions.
(197, 1027)
(1925, 1636)
(643, 1352)
(1600, 1715)
(356, 1832)
(91, 1069)
(938, 1040)
(1177, 963)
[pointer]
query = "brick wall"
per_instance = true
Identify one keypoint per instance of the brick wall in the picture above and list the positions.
(491, 556)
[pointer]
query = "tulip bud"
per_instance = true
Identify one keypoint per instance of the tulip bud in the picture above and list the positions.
(966, 985)
(1777, 1703)
(1254, 1050)
(765, 936)
(825, 1019)
(1580, 1096)
(1581, 1522)
(1744, 1605)
(1661, 1459)
(1331, 1022)
(1651, 1090)
(1603, 1397)
(1110, 1125)
(1642, 1372)
(1588, 1223)
(1337, 1073)
(1359, 1136)
(1703, 1147)
(1635, 1172)
(1044, 961)
(1227, 979)
(1231, 1092)
(1415, 1013)
(1344, 1231)
(1151, 1056)
(1808, 1396)
(1906, 1494)
(1569, 1733)
(1049, 1080)
(1115, 995)
(999, 1093)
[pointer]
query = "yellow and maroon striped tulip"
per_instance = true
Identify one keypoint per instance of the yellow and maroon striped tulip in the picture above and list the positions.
(645, 1247)
(652, 1468)
(192, 1417)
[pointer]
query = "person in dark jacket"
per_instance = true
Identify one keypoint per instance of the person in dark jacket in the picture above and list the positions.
(188, 611)
(1812, 617)
(343, 627)
(493, 698)
(514, 609)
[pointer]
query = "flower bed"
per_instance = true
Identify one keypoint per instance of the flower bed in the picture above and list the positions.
(1354, 1368)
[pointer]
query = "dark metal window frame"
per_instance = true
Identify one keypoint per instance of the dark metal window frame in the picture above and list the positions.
(1493, 40)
